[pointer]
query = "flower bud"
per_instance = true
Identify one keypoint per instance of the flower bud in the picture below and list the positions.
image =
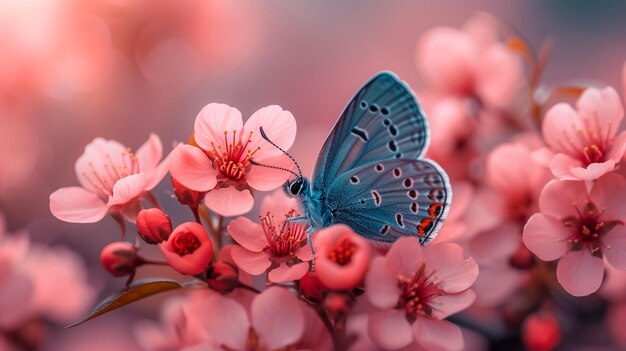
(153, 225)
(223, 277)
(343, 257)
(185, 195)
(188, 249)
(311, 287)
(119, 258)
(541, 332)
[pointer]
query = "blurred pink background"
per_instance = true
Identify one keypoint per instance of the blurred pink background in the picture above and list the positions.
(73, 70)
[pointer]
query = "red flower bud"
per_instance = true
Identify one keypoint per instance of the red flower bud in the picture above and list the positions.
(153, 225)
(119, 258)
(188, 249)
(185, 195)
(223, 277)
(541, 332)
(311, 287)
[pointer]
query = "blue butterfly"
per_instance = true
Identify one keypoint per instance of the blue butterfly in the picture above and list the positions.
(370, 173)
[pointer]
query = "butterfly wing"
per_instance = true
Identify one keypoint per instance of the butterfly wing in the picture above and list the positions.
(389, 199)
(382, 121)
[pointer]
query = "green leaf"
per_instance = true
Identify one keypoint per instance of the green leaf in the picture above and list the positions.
(136, 291)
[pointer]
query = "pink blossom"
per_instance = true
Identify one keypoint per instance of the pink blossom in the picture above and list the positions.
(119, 258)
(541, 332)
(275, 320)
(272, 245)
(221, 164)
(112, 179)
(585, 141)
(470, 62)
(415, 289)
(343, 257)
(579, 229)
(189, 248)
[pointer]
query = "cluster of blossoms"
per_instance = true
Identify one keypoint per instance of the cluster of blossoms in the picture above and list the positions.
(534, 182)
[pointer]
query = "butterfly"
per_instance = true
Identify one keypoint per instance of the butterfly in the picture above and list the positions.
(371, 174)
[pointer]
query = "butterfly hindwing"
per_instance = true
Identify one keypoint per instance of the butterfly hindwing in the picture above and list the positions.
(389, 199)
(382, 121)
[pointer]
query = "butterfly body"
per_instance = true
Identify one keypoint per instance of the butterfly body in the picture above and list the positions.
(370, 173)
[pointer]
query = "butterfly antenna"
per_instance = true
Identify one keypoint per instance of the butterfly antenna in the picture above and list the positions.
(274, 167)
(283, 151)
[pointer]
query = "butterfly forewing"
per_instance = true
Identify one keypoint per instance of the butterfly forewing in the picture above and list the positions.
(389, 199)
(382, 121)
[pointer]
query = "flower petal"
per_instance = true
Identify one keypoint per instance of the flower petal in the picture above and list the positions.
(192, 168)
(266, 179)
(594, 170)
(279, 126)
(559, 119)
(229, 201)
(284, 273)
(389, 329)
(557, 197)
(580, 273)
(150, 153)
(277, 317)
(546, 237)
(561, 166)
(211, 123)
(602, 107)
(615, 253)
(97, 157)
(435, 335)
(254, 263)
(227, 321)
(127, 189)
(380, 286)
(278, 204)
(247, 234)
(449, 304)
(77, 205)
(405, 256)
(609, 193)
(450, 267)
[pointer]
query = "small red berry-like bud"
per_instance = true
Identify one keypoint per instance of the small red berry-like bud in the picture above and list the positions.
(189, 249)
(153, 225)
(187, 196)
(541, 332)
(119, 258)
(311, 287)
(337, 303)
(223, 277)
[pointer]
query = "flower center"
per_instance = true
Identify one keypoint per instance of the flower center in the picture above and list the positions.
(185, 243)
(416, 293)
(590, 143)
(233, 161)
(588, 227)
(285, 238)
(103, 178)
(343, 251)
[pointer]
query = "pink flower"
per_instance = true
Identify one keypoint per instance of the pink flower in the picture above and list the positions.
(153, 225)
(188, 249)
(343, 257)
(112, 178)
(221, 164)
(470, 62)
(415, 289)
(272, 245)
(276, 320)
(585, 141)
(580, 229)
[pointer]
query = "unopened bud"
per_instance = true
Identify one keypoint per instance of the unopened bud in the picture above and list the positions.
(187, 196)
(222, 277)
(541, 332)
(119, 258)
(311, 287)
(153, 225)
